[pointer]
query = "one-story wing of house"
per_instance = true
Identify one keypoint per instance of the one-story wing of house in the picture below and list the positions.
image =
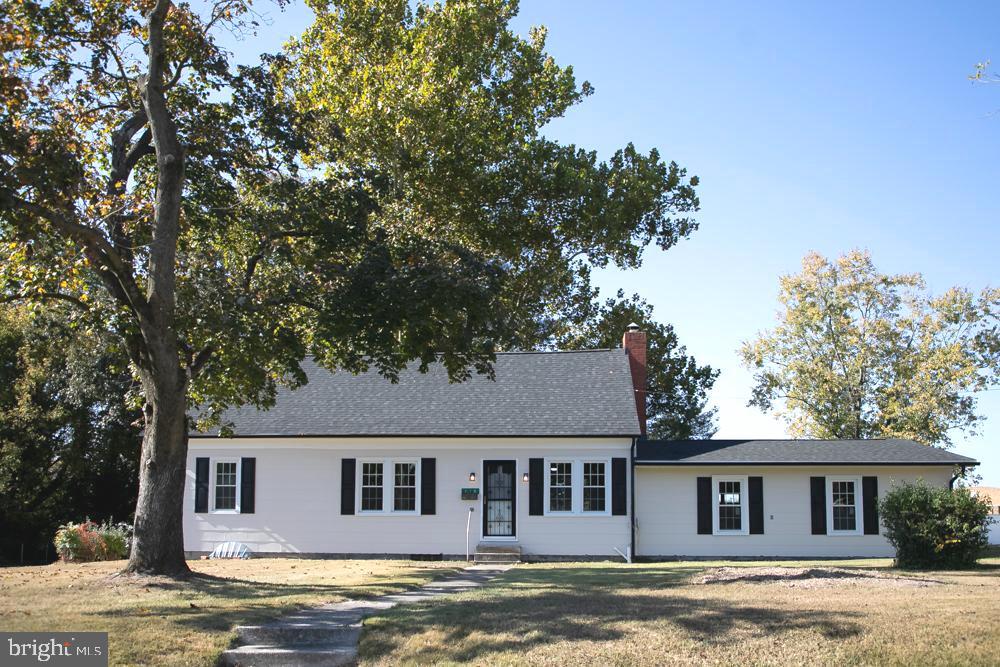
(549, 460)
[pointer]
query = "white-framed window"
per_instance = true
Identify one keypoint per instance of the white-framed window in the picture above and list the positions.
(595, 491)
(372, 486)
(843, 506)
(577, 487)
(560, 486)
(389, 486)
(225, 491)
(404, 488)
(729, 505)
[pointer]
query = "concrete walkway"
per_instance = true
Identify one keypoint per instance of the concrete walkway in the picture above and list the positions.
(329, 635)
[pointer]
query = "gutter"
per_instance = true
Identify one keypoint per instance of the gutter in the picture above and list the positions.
(761, 464)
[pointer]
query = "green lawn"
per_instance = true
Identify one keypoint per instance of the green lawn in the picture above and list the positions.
(654, 614)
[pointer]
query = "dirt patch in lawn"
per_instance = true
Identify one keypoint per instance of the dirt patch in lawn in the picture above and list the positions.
(810, 577)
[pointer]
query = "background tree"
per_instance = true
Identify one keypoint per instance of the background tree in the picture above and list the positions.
(860, 354)
(68, 440)
(677, 400)
(379, 194)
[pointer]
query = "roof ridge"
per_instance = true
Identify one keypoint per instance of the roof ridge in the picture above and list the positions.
(592, 349)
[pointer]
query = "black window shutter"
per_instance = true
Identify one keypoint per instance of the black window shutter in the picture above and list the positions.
(248, 483)
(201, 485)
(536, 487)
(347, 474)
(756, 491)
(817, 492)
(619, 488)
(869, 498)
(704, 505)
(428, 486)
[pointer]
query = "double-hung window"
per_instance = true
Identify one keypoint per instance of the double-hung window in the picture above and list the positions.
(371, 486)
(577, 487)
(594, 488)
(844, 505)
(389, 486)
(404, 489)
(729, 506)
(225, 482)
(561, 486)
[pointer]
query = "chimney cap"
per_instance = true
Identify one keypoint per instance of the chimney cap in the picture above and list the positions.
(632, 327)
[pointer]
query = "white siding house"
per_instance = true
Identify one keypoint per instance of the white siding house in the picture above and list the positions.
(547, 460)
(299, 486)
(787, 516)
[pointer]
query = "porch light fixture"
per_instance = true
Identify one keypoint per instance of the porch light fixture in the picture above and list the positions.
(472, 477)
(524, 477)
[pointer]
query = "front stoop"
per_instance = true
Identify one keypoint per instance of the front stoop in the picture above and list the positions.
(496, 553)
(328, 635)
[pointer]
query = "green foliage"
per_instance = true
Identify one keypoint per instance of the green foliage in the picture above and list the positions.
(68, 437)
(933, 527)
(87, 542)
(860, 354)
(677, 400)
(378, 193)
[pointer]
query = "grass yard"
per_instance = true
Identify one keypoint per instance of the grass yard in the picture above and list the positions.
(856, 612)
(161, 622)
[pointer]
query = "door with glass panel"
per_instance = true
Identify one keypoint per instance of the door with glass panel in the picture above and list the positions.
(498, 498)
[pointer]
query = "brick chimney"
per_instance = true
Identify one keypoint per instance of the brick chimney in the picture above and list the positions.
(634, 342)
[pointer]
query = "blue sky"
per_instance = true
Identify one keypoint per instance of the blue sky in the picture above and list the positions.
(813, 126)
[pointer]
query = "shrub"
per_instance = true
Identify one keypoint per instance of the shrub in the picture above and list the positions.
(933, 527)
(88, 541)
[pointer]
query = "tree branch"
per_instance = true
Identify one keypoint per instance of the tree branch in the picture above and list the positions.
(45, 296)
(116, 274)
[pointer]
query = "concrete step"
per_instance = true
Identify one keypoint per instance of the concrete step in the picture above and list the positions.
(289, 634)
(489, 548)
(255, 655)
(482, 557)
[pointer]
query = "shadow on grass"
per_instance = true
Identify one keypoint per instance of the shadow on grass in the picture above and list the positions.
(733, 576)
(256, 601)
(543, 606)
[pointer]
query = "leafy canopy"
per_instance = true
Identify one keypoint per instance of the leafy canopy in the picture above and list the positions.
(378, 192)
(860, 354)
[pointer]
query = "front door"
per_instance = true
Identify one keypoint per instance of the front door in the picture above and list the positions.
(498, 498)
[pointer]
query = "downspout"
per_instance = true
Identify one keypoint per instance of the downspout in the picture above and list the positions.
(960, 473)
(631, 509)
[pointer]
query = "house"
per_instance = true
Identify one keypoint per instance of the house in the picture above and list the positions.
(992, 494)
(549, 460)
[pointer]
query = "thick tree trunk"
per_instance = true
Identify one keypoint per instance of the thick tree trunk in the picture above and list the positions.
(158, 546)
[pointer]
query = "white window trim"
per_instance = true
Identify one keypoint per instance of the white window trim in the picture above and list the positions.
(388, 487)
(577, 486)
(744, 504)
(213, 475)
(859, 510)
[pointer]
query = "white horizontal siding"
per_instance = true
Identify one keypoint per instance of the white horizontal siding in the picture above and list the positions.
(666, 512)
(298, 498)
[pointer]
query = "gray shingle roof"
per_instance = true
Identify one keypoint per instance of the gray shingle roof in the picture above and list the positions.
(586, 393)
(794, 452)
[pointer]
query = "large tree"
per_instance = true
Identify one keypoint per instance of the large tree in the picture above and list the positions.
(379, 193)
(677, 387)
(861, 354)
